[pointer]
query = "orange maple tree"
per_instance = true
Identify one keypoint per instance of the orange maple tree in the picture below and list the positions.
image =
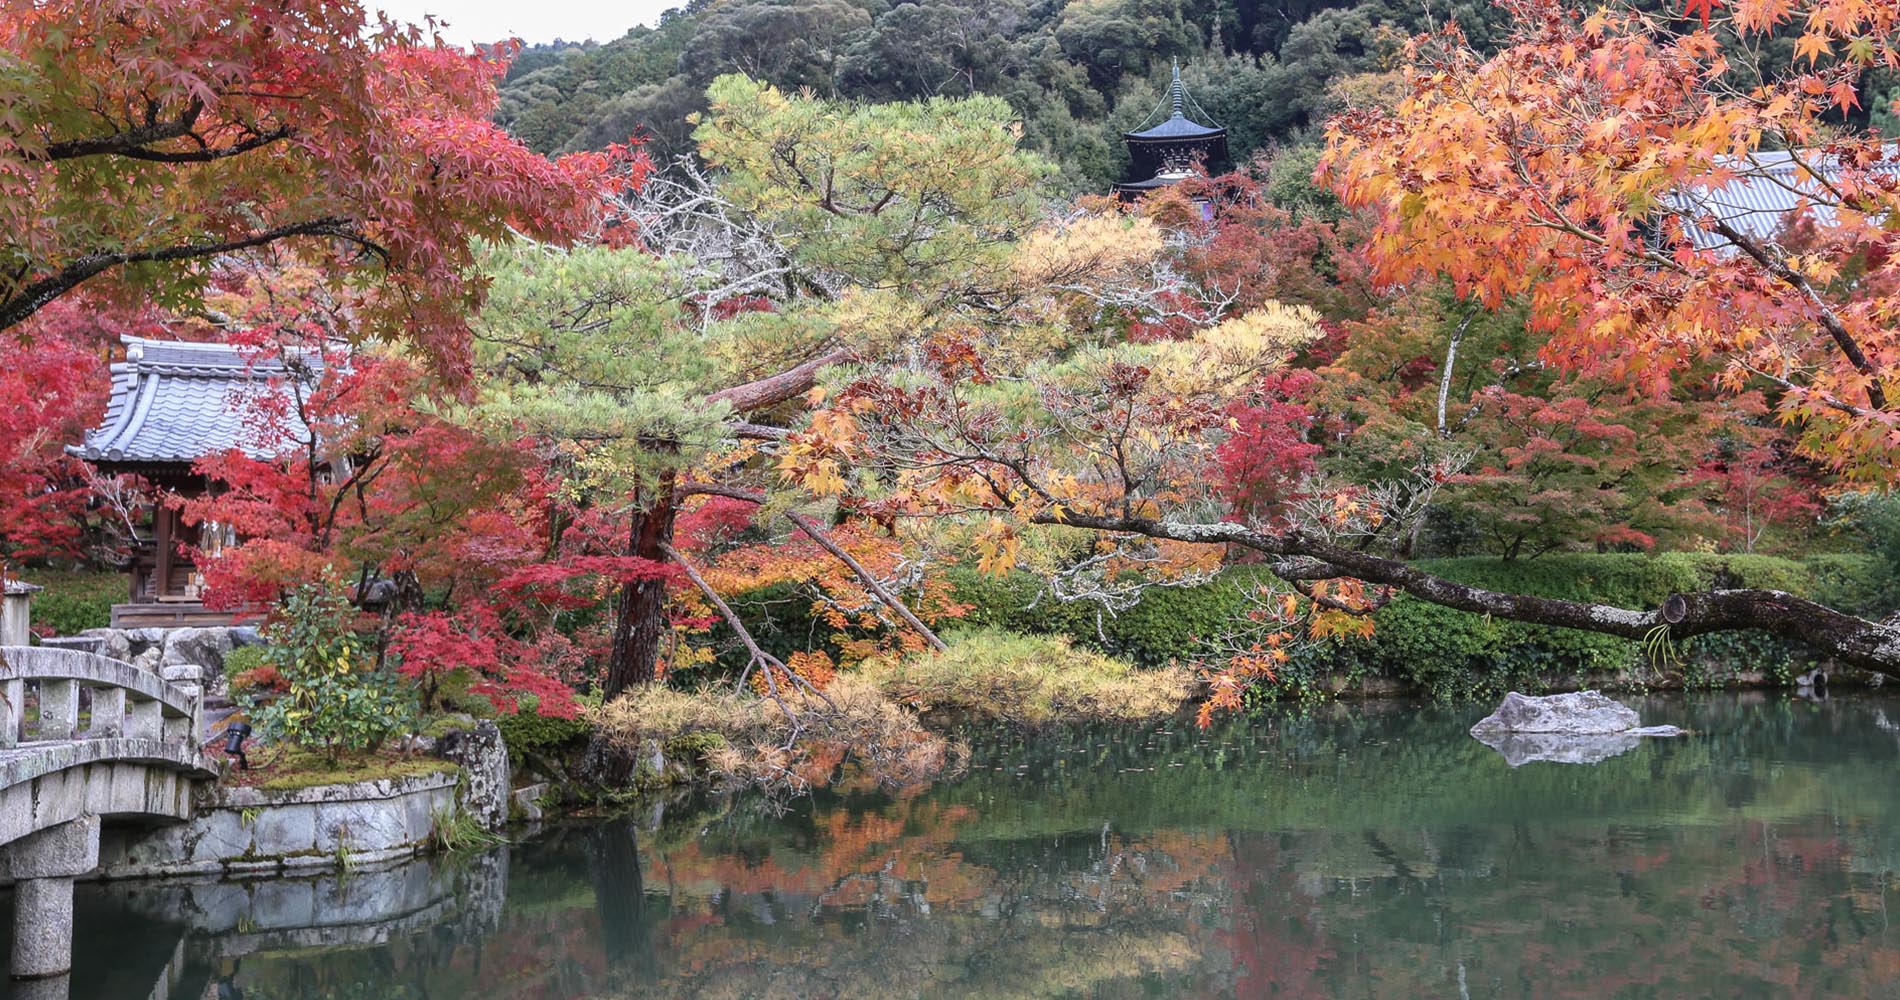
(1604, 168)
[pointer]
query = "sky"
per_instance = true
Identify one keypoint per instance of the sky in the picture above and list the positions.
(531, 21)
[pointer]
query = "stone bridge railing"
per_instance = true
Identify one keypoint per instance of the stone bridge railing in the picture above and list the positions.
(125, 701)
(136, 756)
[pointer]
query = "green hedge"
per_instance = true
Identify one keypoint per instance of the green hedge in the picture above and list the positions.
(1447, 653)
(1434, 650)
(74, 602)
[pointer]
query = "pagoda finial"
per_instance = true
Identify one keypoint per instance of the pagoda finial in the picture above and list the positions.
(1177, 92)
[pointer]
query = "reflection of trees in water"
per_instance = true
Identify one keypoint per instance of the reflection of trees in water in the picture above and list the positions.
(1372, 854)
(620, 900)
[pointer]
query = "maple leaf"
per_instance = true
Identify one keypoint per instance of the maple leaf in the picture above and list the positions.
(1701, 9)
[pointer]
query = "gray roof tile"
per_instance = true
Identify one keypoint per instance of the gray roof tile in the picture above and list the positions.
(177, 402)
(1757, 202)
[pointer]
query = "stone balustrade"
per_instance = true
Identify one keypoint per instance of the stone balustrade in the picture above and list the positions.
(136, 755)
(119, 700)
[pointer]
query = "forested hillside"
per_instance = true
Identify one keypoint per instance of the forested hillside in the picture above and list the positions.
(1078, 73)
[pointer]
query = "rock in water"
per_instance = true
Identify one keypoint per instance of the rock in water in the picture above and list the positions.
(1580, 728)
(1577, 713)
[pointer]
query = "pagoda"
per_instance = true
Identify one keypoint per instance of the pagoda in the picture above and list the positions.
(1173, 150)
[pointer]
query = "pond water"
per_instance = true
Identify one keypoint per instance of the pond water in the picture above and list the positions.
(1364, 851)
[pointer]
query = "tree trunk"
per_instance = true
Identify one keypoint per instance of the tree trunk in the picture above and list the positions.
(640, 613)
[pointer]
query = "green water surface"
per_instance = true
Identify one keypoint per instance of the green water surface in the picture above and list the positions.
(1364, 851)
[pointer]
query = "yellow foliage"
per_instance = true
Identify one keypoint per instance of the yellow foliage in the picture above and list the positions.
(1030, 680)
(1089, 249)
(1231, 355)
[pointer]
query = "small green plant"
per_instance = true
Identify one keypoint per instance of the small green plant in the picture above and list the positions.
(528, 731)
(334, 699)
(1660, 647)
(455, 830)
(247, 817)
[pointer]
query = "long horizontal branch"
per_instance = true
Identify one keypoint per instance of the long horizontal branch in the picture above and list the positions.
(1854, 640)
(29, 299)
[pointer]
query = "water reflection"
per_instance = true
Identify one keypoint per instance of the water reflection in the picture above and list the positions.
(1361, 852)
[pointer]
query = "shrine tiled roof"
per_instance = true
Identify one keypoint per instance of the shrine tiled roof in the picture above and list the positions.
(1765, 190)
(175, 402)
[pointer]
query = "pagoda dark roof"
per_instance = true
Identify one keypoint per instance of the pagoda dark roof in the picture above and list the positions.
(1177, 126)
(1175, 129)
(175, 402)
(1151, 184)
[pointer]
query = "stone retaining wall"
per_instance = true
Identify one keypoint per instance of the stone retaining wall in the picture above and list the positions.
(246, 830)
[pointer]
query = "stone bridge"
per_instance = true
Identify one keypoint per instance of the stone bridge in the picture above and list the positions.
(134, 758)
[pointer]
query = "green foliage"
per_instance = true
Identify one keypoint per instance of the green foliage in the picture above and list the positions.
(74, 602)
(528, 731)
(454, 830)
(1074, 75)
(996, 676)
(694, 746)
(587, 347)
(1170, 625)
(243, 659)
(1453, 654)
(335, 698)
(914, 196)
(1870, 520)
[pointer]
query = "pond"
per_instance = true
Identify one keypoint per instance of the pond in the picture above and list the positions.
(1364, 851)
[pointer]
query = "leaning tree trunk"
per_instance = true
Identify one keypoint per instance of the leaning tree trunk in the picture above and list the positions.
(640, 624)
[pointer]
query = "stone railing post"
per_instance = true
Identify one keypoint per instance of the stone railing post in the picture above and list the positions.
(16, 612)
(59, 709)
(189, 678)
(108, 711)
(43, 866)
(144, 719)
(12, 711)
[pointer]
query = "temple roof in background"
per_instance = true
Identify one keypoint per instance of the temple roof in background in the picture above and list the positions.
(1177, 126)
(175, 402)
(1768, 185)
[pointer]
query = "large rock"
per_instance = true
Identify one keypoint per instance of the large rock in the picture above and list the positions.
(484, 760)
(1583, 727)
(1579, 712)
(203, 646)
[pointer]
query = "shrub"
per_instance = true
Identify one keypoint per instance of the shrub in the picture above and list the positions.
(752, 740)
(74, 602)
(993, 675)
(334, 698)
(249, 674)
(528, 731)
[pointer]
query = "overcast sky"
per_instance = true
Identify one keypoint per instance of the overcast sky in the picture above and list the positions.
(532, 20)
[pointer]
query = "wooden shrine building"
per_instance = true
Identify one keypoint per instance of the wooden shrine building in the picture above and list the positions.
(1177, 148)
(172, 404)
